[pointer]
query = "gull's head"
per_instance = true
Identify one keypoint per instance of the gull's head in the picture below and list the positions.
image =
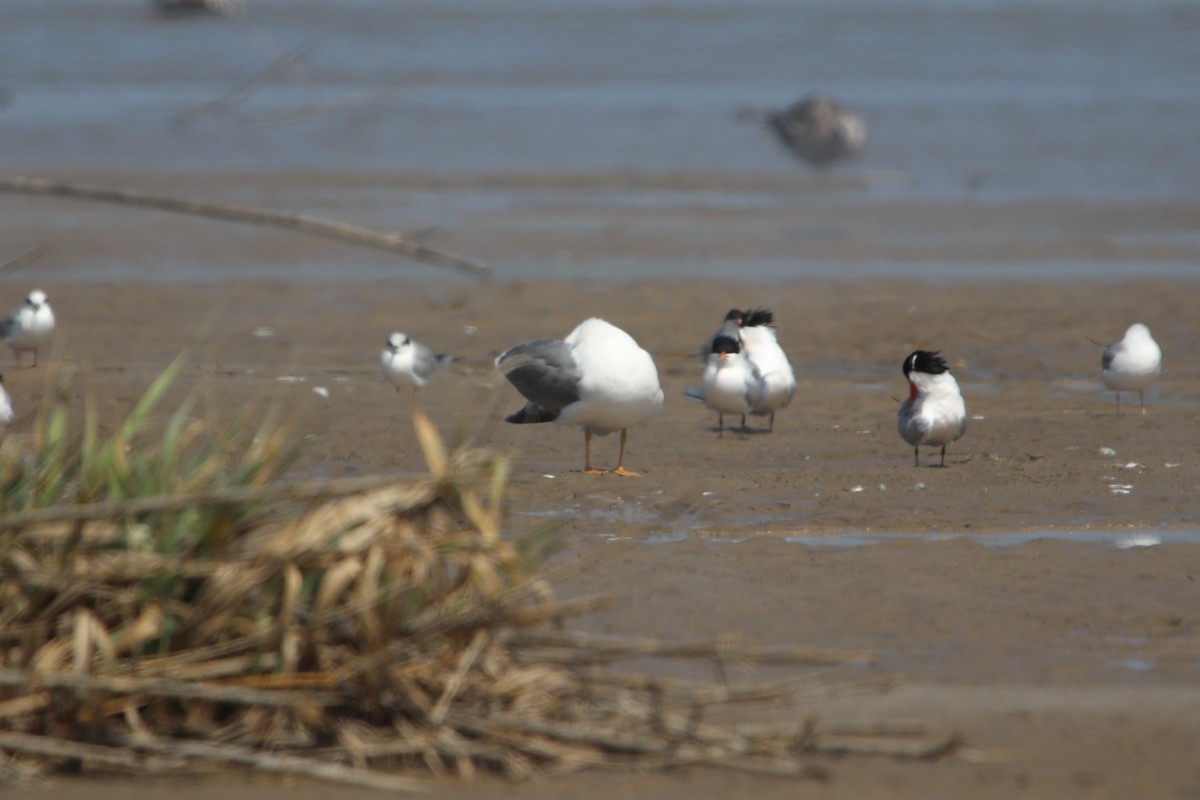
(37, 298)
(725, 346)
(735, 315)
(396, 341)
(1138, 331)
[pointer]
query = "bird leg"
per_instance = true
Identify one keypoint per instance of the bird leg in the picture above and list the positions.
(1142, 397)
(916, 456)
(771, 426)
(620, 470)
(745, 430)
(943, 456)
(587, 454)
(720, 425)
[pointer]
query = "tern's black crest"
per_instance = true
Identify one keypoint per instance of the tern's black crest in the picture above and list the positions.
(735, 314)
(726, 344)
(758, 316)
(925, 361)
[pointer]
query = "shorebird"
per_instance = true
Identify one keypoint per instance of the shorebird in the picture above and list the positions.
(754, 331)
(407, 363)
(179, 8)
(934, 413)
(762, 348)
(1132, 363)
(732, 384)
(598, 377)
(819, 130)
(30, 327)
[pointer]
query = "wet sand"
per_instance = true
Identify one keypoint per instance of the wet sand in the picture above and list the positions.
(1067, 667)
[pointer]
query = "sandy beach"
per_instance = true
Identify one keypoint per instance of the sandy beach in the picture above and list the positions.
(1028, 190)
(1066, 663)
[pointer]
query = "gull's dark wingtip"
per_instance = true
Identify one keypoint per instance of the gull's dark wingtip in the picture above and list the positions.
(531, 413)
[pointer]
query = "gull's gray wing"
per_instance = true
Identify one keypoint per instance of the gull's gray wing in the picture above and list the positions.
(1110, 353)
(544, 371)
(7, 324)
(425, 363)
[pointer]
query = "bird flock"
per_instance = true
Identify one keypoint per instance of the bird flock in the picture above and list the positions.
(599, 378)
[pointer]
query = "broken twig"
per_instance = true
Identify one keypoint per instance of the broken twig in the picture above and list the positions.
(404, 244)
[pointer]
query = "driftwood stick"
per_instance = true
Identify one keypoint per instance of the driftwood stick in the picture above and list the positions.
(401, 243)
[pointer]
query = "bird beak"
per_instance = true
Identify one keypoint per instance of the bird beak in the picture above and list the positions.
(724, 356)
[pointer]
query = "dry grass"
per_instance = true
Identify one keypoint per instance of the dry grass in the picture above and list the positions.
(166, 602)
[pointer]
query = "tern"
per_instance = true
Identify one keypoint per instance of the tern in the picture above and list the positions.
(408, 363)
(30, 327)
(934, 414)
(732, 383)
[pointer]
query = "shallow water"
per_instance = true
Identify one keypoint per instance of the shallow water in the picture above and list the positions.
(1117, 539)
(562, 130)
(1067, 98)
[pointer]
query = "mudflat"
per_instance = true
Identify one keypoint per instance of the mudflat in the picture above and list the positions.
(1007, 612)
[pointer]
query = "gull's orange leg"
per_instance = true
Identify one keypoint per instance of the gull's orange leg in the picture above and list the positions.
(620, 470)
(587, 454)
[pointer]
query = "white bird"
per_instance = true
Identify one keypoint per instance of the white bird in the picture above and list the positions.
(407, 363)
(598, 378)
(731, 326)
(819, 130)
(934, 413)
(6, 409)
(1132, 363)
(755, 332)
(30, 327)
(732, 384)
(763, 350)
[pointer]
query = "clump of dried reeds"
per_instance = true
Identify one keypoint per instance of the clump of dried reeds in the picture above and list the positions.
(165, 601)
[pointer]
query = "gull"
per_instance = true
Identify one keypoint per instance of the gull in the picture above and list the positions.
(598, 378)
(819, 130)
(407, 363)
(1132, 363)
(732, 384)
(934, 413)
(763, 350)
(30, 327)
